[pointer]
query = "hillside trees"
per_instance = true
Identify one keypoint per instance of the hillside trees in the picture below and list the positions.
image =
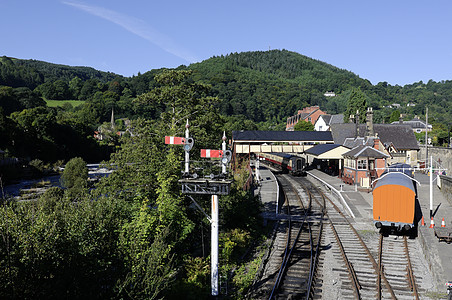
(357, 102)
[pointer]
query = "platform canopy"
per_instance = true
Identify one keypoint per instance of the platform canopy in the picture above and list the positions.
(278, 141)
(327, 151)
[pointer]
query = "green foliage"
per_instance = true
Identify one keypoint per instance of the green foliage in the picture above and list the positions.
(75, 174)
(303, 126)
(357, 102)
(395, 115)
(147, 256)
(233, 244)
(55, 248)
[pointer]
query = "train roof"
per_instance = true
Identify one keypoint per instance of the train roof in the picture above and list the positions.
(395, 178)
(282, 154)
(400, 167)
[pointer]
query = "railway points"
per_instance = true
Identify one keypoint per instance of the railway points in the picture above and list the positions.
(431, 258)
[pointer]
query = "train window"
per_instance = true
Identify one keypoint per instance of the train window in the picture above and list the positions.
(362, 164)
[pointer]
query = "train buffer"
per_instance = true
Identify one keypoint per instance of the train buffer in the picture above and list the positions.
(444, 234)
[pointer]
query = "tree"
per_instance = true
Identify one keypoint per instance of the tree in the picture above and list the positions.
(356, 102)
(303, 125)
(394, 116)
(75, 176)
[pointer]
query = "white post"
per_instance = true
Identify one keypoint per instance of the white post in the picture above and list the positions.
(223, 147)
(187, 153)
(257, 170)
(431, 186)
(214, 247)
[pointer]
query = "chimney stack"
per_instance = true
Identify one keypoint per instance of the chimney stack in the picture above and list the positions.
(369, 122)
(357, 124)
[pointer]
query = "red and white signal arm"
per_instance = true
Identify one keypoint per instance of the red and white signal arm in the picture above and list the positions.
(174, 140)
(208, 153)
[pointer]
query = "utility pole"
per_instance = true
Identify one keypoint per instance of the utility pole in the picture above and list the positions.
(431, 186)
(426, 135)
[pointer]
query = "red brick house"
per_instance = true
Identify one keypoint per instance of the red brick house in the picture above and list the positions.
(308, 114)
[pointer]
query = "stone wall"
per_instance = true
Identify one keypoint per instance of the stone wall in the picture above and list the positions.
(444, 154)
(446, 187)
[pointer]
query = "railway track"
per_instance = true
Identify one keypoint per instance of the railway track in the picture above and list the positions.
(367, 264)
(389, 276)
(291, 271)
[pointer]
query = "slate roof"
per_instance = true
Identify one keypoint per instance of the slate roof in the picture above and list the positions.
(365, 151)
(416, 123)
(352, 142)
(326, 118)
(282, 136)
(322, 148)
(401, 136)
(337, 119)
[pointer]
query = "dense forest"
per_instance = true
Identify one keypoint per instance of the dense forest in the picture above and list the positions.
(132, 235)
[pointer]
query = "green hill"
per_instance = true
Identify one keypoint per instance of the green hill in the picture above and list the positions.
(31, 73)
(271, 85)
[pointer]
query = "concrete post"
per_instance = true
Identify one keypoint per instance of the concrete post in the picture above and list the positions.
(214, 247)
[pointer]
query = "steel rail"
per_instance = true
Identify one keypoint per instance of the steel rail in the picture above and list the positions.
(411, 279)
(351, 271)
(380, 266)
(288, 249)
(314, 247)
(314, 254)
(366, 249)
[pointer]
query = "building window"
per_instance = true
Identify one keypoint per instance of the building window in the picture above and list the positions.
(362, 164)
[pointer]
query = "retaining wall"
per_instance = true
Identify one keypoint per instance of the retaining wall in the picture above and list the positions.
(446, 187)
(444, 154)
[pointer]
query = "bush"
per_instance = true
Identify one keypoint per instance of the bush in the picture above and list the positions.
(75, 174)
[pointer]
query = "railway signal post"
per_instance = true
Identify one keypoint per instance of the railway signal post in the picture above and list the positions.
(213, 184)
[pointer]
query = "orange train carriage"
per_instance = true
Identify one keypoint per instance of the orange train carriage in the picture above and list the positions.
(395, 202)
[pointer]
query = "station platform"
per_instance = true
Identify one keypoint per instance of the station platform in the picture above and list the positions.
(437, 253)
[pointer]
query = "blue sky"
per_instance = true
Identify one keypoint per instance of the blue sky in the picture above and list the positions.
(400, 42)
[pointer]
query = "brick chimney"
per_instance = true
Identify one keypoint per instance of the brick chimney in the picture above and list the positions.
(377, 142)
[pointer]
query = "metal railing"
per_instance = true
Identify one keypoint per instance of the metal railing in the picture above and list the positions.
(335, 191)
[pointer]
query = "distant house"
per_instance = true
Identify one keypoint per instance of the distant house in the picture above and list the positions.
(329, 94)
(416, 124)
(324, 122)
(308, 114)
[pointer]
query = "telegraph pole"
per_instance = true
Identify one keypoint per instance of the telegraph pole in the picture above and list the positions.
(426, 135)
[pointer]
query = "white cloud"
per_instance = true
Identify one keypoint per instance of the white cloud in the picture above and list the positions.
(137, 27)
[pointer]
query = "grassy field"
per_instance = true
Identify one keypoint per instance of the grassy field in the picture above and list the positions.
(55, 103)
